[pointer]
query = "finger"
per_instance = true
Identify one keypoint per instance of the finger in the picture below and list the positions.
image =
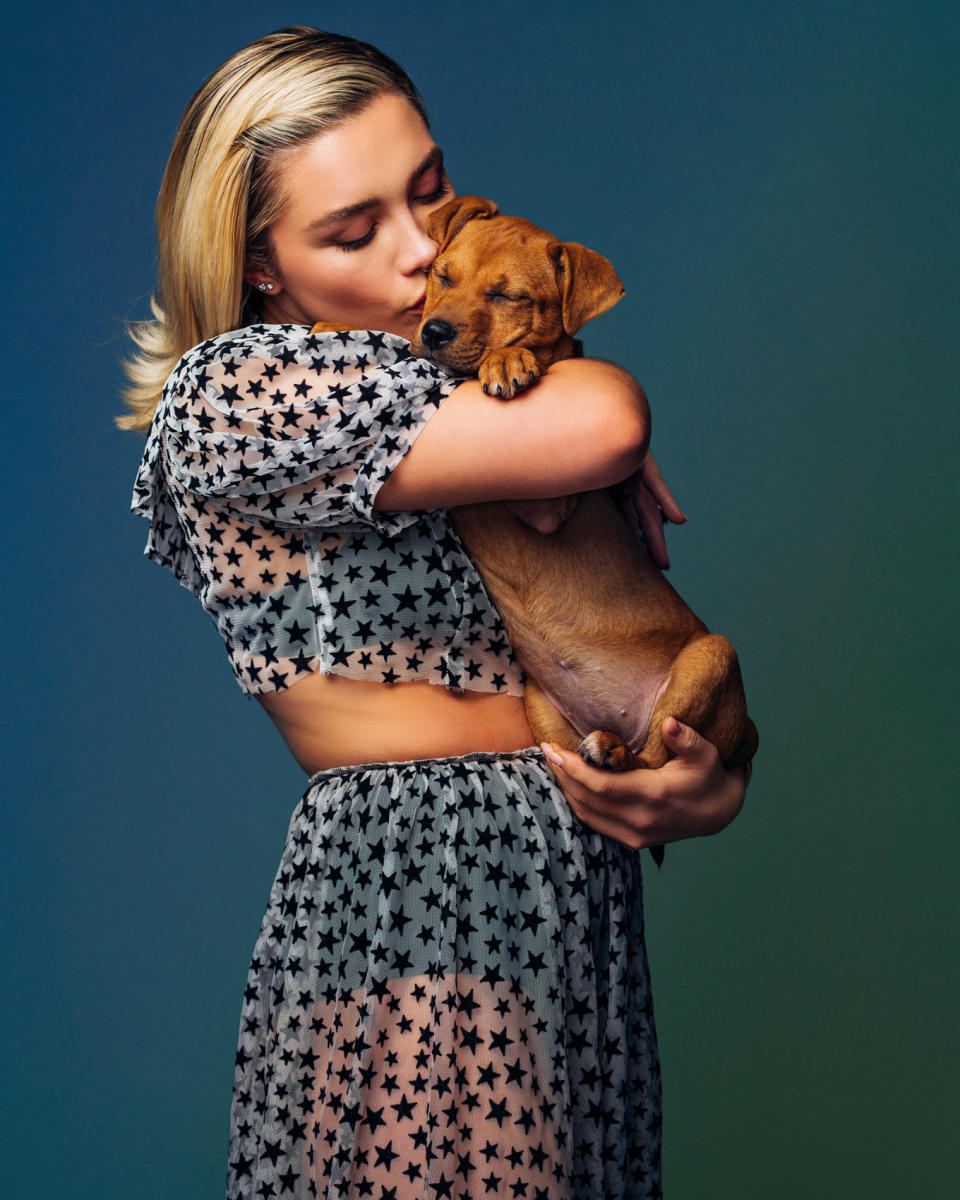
(609, 826)
(658, 486)
(625, 796)
(632, 515)
(623, 500)
(688, 745)
(591, 784)
(608, 818)
(560, 762)
(651, 522)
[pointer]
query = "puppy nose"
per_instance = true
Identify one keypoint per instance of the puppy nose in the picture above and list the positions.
(436, 334)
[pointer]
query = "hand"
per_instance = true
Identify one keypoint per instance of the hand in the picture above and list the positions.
(647, 502)
(690, 796)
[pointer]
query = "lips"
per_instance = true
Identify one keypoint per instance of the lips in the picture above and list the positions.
(418, 307)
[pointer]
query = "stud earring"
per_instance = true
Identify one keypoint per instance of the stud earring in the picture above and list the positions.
(265, 287)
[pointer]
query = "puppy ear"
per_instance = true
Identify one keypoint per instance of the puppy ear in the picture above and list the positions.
(587, 281)
(445, 223)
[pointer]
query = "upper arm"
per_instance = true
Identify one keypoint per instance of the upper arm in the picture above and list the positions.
(278, 427)
(583, 425)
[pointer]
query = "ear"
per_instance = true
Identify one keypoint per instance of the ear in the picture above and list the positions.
(445, 223)
(254, 275)
(587, 281)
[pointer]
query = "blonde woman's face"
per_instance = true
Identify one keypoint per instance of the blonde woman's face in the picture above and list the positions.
(349, 244)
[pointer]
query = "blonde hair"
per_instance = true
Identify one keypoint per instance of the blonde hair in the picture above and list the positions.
(219, 194)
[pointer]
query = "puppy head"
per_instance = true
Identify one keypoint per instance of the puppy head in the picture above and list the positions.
(501, 281)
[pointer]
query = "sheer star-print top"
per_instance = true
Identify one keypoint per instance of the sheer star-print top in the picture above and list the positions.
(259, 475)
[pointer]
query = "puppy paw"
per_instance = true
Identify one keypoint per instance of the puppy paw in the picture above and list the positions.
(507, 371)
(607, 751)
(329, 327)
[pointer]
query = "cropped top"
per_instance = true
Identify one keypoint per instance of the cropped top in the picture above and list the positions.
(258, 478)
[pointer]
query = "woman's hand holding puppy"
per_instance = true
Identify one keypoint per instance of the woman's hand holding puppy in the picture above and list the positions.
(647, 502)
(690, 796)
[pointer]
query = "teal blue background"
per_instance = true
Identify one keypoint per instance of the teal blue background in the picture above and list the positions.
(777, 185)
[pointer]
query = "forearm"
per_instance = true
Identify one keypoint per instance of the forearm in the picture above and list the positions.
(584, 425)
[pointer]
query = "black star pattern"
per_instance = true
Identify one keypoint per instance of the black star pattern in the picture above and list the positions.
(282, 452)
(423, 1060)
(449, 996)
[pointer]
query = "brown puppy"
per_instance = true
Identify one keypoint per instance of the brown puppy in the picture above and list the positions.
(608, 647)
(504, 298)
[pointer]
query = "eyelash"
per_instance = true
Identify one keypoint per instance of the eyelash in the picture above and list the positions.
(441, 191)
(359, 243)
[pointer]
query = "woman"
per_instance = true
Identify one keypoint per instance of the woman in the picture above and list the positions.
(450, 994)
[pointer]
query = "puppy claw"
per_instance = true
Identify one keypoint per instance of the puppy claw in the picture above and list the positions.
(508, 370)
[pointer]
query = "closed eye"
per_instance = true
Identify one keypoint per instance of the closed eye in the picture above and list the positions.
(499, 296)
(360, 242)
(441, 190)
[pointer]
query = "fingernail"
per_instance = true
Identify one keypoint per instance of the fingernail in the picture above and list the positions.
(673, 725)
(551, 753)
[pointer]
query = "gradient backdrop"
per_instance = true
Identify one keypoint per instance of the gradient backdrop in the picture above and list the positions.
(777, 185)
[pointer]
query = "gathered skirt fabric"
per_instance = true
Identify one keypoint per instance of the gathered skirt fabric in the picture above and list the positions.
(449, 997)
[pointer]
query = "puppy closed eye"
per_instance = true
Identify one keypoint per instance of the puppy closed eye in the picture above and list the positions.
(441, 277)
(500, 297)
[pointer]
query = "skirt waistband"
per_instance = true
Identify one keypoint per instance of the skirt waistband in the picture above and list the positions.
(531, 754)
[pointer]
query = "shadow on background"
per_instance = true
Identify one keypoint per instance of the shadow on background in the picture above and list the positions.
(777, 187)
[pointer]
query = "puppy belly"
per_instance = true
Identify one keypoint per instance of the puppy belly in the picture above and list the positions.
(615, 696)
(588, 615)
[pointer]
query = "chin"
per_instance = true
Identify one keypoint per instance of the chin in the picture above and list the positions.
(409, 327)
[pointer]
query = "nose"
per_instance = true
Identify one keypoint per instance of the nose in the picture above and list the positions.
(419, 251)
(436, 334)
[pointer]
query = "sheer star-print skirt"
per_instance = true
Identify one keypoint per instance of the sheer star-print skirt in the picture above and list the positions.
(449, 997)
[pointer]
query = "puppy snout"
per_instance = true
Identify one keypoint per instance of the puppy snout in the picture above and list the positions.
(437, 334)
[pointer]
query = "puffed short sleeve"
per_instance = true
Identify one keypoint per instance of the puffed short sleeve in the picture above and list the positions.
(283, 428)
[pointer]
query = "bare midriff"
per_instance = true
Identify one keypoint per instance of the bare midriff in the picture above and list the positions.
(332, 721)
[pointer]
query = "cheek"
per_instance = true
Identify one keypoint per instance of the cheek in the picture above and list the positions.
(334, 274)
(349, 279)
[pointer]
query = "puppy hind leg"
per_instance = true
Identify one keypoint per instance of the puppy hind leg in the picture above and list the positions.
(705, 691)
(547, 723)
(747, 747)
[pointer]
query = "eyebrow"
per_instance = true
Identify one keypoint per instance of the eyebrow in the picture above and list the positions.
(433, 159)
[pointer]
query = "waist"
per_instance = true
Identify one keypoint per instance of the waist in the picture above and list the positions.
(330, 721)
